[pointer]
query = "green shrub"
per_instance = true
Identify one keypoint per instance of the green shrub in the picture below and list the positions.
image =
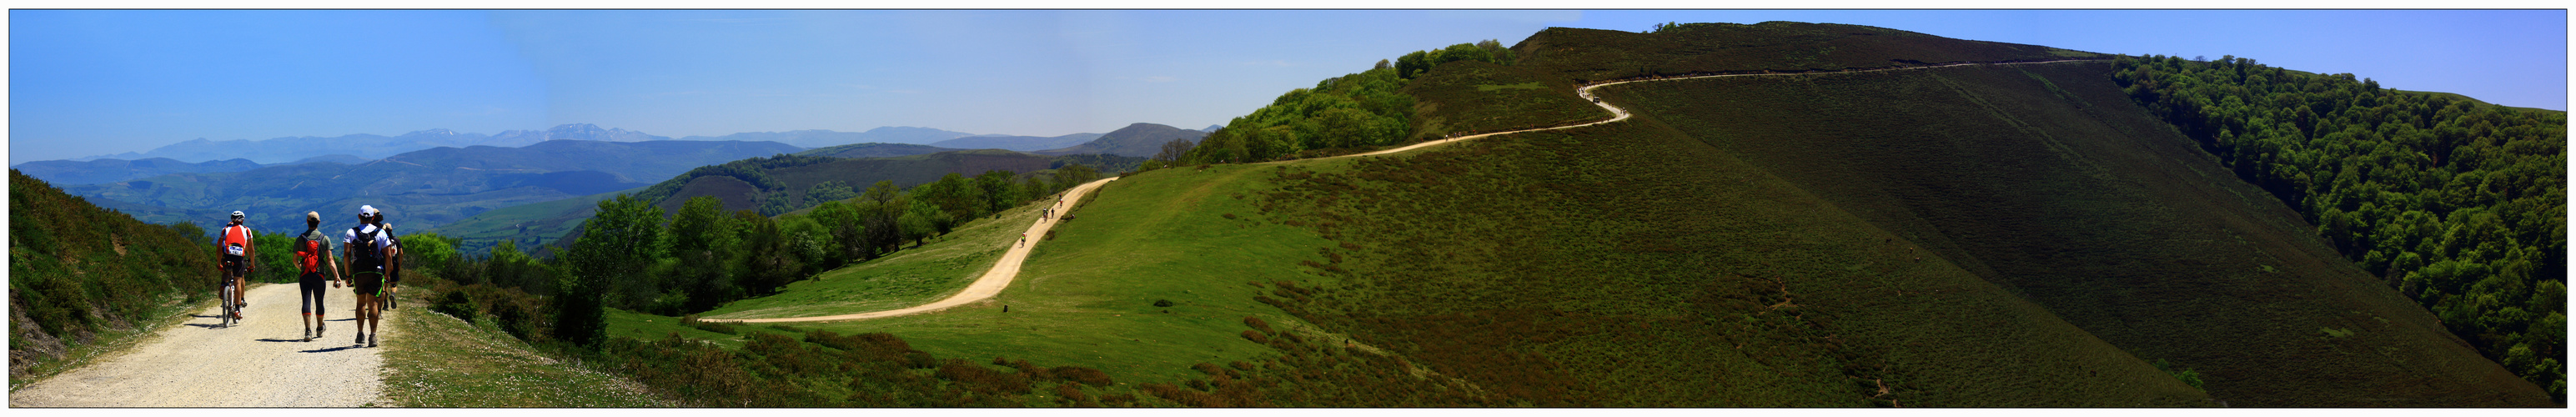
(455, 303)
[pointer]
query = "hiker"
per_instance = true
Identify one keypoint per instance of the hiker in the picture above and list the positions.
(1024, 238)
(367, 247)
(237, 261)
(310, 251)
(393, 263)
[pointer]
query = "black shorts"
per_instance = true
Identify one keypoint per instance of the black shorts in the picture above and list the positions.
(369, 283)
(234, 265)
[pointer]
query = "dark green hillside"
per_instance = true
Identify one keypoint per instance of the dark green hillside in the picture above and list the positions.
(1631, 265)
(79, 274)
(1592, 54)
(2044, 179)
(1470, 97)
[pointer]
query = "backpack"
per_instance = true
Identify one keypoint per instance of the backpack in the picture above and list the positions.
(236, 241)
(308, 252)
(369, 256)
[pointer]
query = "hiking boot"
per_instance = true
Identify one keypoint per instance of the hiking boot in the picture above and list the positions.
(371, 339)
(308, 335)
(318, 329)
(362, 338)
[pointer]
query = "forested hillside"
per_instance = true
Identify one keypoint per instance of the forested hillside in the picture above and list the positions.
(2457, 204)
(79, 273)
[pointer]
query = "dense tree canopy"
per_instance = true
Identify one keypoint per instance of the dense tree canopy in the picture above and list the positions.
(2459, 204)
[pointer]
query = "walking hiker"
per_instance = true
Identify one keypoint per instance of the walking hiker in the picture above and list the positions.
(1024, 238)
(393, 263)
(237, 261)
(310, 251)
(367, 247)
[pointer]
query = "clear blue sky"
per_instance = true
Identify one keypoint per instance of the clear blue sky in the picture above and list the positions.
(98, 82)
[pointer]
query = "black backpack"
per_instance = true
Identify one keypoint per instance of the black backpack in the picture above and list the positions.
(368, 256)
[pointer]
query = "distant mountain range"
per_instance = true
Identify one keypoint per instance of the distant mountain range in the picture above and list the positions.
(368, 146)
(826, 138)
(1016, 143)
(66, 172)
(419, 189)
(1138, 140)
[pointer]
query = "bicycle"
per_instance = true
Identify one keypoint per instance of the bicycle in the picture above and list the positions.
(232, 305)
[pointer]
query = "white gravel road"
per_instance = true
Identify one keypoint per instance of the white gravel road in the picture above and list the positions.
(261, 362)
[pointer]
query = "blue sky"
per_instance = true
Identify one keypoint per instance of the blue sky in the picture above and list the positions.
(98, 82)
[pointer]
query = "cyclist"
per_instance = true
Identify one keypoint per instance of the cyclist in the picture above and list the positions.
(367, 245)
(237, 260)
(312, 252)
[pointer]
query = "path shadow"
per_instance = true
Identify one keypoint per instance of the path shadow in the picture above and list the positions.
(206, 325)
(282, 340)
(328, 350)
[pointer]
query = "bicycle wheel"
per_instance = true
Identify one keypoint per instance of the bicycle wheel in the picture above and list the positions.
(231, 306)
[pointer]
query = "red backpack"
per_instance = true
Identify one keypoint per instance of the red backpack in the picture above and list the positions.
(308, 252)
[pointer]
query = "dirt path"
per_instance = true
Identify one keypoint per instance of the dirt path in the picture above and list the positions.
(991, 284)
(260, 363)
(1618, 114)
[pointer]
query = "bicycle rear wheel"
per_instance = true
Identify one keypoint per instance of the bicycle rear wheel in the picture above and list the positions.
(232, 306)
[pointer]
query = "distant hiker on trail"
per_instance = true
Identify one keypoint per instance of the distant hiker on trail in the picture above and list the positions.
(368, 245)
(237, 260)
(310, 251)
(1024, 238)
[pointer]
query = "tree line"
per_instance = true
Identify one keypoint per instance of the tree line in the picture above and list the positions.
(1340, 114)
(632, 256)
(2457, 204)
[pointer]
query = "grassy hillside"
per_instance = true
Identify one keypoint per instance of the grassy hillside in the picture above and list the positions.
(80, 276)
(1087, 298)
(2045, 180)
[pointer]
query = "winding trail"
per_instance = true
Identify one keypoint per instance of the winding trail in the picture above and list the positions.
(994, 280)
(1618, 114)
(987, 286)
(261, 362)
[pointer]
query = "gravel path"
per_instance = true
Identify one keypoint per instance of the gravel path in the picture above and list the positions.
(260, 363)
(987, 286)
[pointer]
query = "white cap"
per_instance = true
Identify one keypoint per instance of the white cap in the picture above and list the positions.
(237, 213)
(313, 216)
(369, 211)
